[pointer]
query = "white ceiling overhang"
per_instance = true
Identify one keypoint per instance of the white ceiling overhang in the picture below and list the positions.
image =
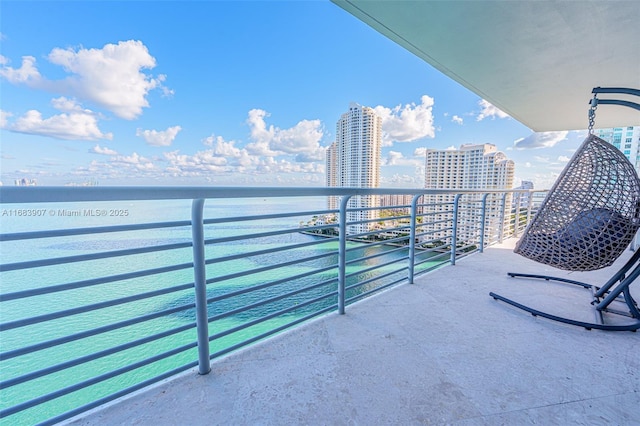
(538, 61)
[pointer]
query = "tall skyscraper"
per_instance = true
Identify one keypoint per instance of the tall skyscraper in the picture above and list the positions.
(332, 172)
(626, 139)
(522, 200)
(470, 167)
(353, 161)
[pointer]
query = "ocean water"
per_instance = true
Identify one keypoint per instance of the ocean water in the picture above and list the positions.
(230, 328)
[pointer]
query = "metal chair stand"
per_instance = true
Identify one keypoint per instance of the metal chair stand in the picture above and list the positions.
(609, 299)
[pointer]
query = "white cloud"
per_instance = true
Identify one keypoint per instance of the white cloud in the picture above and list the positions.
(209, 161)
(111, 77)
(135, 161)
(102, 150)
(563, 159)
(190, 165)
(457, 119)
(159, 137)
(67, 105)
(488, 110)
(4, 115)
(27, 73)
(407, 123)
(395, 158)
(540, 140)
(420, 152)
(302, 140)
(73, 126)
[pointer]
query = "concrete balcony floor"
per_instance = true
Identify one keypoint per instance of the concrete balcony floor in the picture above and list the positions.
(439, 352)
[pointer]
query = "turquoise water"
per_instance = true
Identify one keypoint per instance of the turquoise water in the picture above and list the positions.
(146, 212)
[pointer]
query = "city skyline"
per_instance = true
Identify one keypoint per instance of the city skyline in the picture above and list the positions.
(228, 93)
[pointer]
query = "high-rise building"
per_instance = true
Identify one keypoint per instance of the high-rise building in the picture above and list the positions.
(626, 139)
(332, 173)
(522, 199)
(470, 167)
(353, 161)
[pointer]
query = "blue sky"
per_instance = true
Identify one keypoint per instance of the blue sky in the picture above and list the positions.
(227, 93)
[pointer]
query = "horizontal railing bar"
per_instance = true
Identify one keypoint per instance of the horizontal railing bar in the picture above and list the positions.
(92, 357)
(92, 256)
(88, 308)
(389, 218)
(395, 207)
(365, 246)
(374, 256)
(95, 380)
(274, 283)
(401, 227)
(219, 240)
(95, 230)
(373, 268)
(317, 228)
(271, 316)
(219, 220)
(92, 282)
(440, 257)
(390, 241)
(93, 332)
(62, 194)
(374, 290)
(265, 268)
(119, 394)
(265, 302)
(434, 239)
(268, 251)
(376, 278)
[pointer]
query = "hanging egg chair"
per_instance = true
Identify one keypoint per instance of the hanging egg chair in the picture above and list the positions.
(590, 215)
(586, 221)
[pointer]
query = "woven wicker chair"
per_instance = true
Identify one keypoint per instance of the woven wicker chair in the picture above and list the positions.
(589, 217)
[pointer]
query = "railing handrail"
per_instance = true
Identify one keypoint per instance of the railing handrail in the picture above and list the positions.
(65, 194)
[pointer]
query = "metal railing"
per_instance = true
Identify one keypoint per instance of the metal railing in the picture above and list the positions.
(108, 290)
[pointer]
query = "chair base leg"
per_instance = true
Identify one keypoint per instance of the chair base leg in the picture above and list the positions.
(599, 325)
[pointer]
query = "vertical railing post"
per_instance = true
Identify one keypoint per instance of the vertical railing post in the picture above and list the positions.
(454, 232)
(483, 221)
(412, 236)
(529, 207)
(200, 278)
(503, 218)
(342, 253)
(517, 213)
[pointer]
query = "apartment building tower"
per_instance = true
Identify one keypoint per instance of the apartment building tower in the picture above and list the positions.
(470, 167)
(353, 161)
(626, 139)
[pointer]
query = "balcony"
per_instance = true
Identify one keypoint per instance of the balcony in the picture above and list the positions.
(176, 312)
(440, 351)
